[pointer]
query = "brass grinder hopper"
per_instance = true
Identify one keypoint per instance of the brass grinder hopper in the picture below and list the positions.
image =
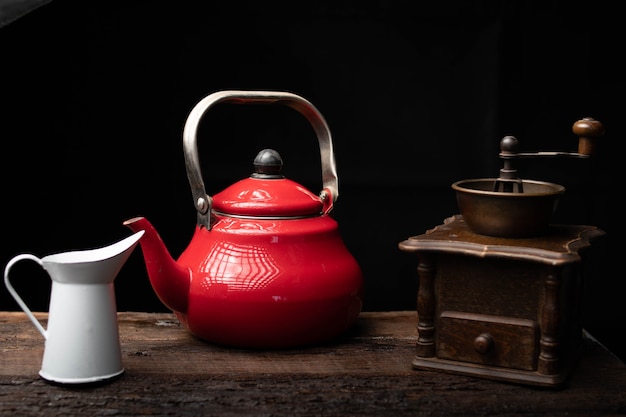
(511, 207)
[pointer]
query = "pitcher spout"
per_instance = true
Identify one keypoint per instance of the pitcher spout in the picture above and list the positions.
(169, 280)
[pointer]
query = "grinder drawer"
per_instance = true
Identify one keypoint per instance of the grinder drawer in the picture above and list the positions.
(488, 340)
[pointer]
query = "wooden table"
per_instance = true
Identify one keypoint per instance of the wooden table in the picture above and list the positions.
(367, 372)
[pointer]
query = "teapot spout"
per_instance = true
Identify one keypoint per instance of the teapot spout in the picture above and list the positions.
(169, 280)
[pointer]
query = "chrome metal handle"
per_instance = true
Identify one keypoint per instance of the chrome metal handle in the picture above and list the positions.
(202, 201)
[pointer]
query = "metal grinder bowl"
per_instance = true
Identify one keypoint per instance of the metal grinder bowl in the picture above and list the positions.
(507, 214)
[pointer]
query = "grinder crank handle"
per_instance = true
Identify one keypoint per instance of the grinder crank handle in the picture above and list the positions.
(588, 130)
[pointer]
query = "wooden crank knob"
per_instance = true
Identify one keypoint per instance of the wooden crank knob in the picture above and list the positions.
(587, 130)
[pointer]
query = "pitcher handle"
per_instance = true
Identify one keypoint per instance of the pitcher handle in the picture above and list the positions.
(16, 296)
(202, 201)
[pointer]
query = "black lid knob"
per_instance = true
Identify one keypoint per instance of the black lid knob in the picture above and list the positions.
(268, 165)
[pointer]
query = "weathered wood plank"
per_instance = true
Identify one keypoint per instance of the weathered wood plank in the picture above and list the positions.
(367, 373)
(155, 343)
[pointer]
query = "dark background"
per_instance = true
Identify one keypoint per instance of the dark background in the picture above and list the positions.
(417, 95)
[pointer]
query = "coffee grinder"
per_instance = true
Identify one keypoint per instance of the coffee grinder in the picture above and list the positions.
(500, 286)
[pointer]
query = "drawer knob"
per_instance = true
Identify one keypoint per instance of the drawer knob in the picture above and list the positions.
(483, 343)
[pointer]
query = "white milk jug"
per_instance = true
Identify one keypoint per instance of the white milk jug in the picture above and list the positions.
(82, 337)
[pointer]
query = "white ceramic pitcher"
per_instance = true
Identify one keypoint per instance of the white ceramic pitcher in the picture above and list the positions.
(82, 336)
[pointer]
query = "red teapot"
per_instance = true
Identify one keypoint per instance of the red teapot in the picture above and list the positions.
(266, 266)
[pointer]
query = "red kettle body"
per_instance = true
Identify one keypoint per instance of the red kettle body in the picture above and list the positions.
(266, 266)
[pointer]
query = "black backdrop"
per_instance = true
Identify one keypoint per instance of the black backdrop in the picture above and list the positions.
(417, 95)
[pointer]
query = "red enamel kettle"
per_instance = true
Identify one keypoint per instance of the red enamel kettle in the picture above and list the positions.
(266, 266)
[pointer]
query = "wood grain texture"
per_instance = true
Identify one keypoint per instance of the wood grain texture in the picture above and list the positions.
(366, 372)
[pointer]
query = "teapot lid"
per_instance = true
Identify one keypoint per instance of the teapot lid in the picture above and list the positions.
(267, 193)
